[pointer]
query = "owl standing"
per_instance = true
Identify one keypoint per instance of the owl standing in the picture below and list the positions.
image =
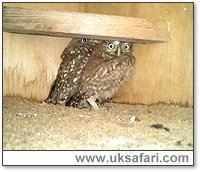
(109, 66)
(74, 59)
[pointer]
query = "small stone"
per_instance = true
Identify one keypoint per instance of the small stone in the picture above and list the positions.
(35, 114)
(149, 111)
(43, 103)
(19, 114)
(160, 126)
(178, 143)
(134, 119)
(166, 129)
(157, 126)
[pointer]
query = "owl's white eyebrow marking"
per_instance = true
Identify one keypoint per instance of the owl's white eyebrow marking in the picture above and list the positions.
(114, 42)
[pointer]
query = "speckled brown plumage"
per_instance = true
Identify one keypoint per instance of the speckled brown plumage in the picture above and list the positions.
(108, 67)
(74, 58)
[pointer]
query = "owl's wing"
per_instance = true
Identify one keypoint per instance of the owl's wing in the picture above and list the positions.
(74, 58)
(61, 91)
(110, 75)
(67, 79)
(65, 83)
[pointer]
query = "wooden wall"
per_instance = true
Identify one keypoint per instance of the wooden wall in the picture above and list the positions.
(163, 71)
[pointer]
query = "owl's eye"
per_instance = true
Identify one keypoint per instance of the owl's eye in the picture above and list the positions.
(126, 47)
(111, 46)
(84, 40)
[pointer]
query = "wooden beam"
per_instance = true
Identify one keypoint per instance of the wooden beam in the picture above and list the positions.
(73, 24)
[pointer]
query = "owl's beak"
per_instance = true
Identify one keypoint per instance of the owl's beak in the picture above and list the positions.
(118, 51)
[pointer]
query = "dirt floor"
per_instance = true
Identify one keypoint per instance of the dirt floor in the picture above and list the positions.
(29, 125)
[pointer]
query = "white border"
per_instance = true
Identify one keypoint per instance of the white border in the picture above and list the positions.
(122, 158)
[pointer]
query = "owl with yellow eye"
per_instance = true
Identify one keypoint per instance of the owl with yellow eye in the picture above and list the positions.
(107, 69)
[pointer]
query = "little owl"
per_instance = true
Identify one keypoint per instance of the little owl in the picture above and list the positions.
(108, 67)
(74, 59)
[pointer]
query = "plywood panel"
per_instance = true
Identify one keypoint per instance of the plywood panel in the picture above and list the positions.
(30, 64)
(163, 71)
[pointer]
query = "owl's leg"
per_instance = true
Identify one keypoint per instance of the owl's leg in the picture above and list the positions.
(99, 101)
(95, 106)
(84, 104)
(92, 102)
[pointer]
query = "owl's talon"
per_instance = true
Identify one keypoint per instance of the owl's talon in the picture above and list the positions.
(84, 104)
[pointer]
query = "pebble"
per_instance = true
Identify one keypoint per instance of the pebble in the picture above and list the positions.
(134, 119)
(35, 114)
(26, 115)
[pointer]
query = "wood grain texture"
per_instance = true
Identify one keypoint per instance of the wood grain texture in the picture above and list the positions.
(74, 24)
(29, 64)
(163, 71)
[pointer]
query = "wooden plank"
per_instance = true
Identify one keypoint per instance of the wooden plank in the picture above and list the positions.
(74, 24)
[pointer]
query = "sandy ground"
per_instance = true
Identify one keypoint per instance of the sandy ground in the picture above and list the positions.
(30, 125)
